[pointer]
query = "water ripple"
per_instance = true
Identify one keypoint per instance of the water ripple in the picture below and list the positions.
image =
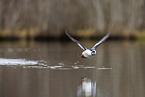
(57, 67)
(41, 64)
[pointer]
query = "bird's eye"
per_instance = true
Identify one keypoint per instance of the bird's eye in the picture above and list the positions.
(93, 52)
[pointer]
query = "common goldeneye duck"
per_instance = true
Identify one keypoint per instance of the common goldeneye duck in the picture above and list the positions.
(88, 53)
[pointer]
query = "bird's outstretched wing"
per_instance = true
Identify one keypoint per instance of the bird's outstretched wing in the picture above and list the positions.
(101, 41)
(74, 40)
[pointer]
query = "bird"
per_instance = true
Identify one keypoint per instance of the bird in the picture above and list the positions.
(88, 53)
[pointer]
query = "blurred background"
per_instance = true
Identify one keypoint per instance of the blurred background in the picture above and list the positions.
(54, 68)
(50, 18)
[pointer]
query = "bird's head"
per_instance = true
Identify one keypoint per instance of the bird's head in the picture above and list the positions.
(93, 52)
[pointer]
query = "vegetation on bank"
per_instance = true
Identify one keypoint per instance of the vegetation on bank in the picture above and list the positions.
(35, 34)
(29, 19)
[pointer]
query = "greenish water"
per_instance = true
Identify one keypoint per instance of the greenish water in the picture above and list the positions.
(54, 69)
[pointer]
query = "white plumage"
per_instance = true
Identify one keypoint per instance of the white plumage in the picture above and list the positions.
(88, 53)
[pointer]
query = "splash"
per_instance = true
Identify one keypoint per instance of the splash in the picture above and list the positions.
(41, 64)
(4, 61)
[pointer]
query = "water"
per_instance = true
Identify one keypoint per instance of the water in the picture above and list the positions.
(54, 69)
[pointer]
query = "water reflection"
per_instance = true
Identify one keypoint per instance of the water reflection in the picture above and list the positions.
(117, 70)
(87, 88)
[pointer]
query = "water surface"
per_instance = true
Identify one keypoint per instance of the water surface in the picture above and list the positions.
(54, 69)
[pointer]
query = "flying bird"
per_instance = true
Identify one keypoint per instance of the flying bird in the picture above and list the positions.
(88, 53)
